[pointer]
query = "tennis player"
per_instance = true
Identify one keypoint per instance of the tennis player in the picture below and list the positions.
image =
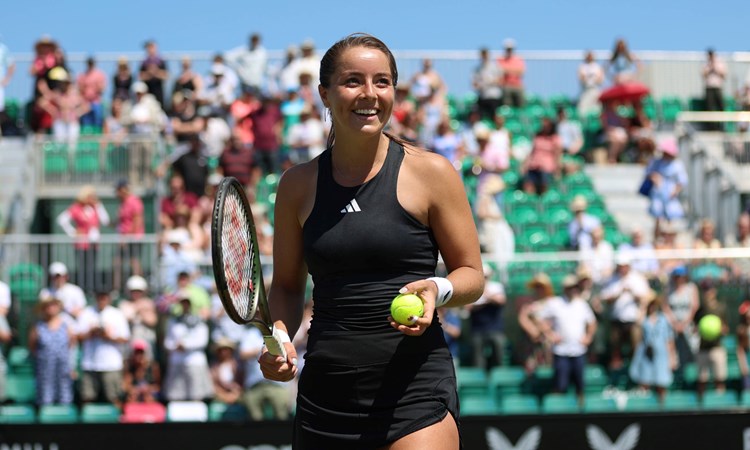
(367, 218)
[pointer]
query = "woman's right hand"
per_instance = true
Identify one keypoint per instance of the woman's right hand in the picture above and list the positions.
(276, 368)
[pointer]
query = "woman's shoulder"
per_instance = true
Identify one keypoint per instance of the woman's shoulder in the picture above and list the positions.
(420, 161)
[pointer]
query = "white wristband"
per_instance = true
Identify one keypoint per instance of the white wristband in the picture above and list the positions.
(445, 290)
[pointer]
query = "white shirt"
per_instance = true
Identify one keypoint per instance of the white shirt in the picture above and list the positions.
(592, 74)
(249, 64)
(4, 296)
(71, 296)
(569, 319)
(599, 260)
(193, 338)
(100, 355)
(626, 290)
(715, 73)
(310, 134)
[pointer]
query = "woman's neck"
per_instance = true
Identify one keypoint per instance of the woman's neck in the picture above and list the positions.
(358, 159)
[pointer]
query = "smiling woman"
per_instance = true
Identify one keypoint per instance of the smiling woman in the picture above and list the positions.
(367, 219)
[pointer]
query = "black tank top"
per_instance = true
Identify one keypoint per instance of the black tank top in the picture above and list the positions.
(361, 246)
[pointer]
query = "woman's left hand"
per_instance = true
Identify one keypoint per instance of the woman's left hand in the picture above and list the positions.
(427, 290)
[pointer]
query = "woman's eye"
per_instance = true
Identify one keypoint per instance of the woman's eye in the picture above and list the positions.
(352, 82)
(384, 82)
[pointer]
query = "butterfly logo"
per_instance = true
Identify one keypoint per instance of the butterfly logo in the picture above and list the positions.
(598, 439)
(496, 440)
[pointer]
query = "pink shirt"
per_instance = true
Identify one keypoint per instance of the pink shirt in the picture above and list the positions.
(130, 208)
(510, 66)
(243, 127)
(91, 85)
(545, 154)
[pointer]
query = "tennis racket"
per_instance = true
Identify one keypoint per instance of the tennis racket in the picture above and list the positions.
(236, 264)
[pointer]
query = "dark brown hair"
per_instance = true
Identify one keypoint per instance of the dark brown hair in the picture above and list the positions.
(331, 58)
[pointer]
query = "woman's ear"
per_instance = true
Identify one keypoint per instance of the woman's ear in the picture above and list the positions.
(323, 95)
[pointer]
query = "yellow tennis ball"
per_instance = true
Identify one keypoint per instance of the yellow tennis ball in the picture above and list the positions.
(406, 306)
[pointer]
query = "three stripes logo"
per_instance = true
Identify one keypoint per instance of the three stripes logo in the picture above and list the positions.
(352, 206)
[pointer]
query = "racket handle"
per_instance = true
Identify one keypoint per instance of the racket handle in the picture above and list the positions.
(275, 342)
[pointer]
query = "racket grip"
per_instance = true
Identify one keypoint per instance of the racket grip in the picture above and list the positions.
(275, 342)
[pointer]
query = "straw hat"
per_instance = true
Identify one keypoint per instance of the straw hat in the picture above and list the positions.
(543, 280)
(493, 184)
(570, 281)
(46, 298)
(579, 203)
(224, 343)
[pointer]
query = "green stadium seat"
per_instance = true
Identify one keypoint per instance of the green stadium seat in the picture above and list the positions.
(100, 413)
(681, 401)
(19, 413)
(472, 381)
(55, 158)
(594, 378)
(642, 403)
(20, 387)
(519, 404)
(478, 406)
(19, 360)
(543, 375)
(236, 412)
(26, 280)
(713, 400)
(560, 404)
(599, 404)
(58, 414)
(670, 108)
(745, 399)
(506, 380)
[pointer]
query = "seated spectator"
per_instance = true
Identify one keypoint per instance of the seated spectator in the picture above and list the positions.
(175, 259)
(91, 85)
(571, 136)
(447, 143)
(258, 390)
(50, 340)
(743, 343)
(495, 235)
(655, 356)
(187, 80)
(146, 116)
(140, 311)
(669, 178)
(488, 323)
(218, 95)
(241, 111)
(115, 129)
(644, 256)
(66, 107)
(568, 323)
(582, 225)
(178, 198)
(222, 327)
(239, 161)
(680, 308)
(494, 150)
(102, 329)
(625, 291)
(306, 138)
(543, 164)
(534, 349)
(712, 355)
(72, 297)
(225, 373)
(184, 118)
(667, 240)
(615, 130)
(200, 301)
(710, 268)
(188, 376)
(403, 105)
(142, 375)
(598, 259)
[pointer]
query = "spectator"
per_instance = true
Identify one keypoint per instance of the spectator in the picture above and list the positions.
(222, 327)
(709, 267)
(200, 300)
(200, 220)
(427, 83)
(486, 83)
(219, 94)
(188, 81)
(741, 266)
(569, 324)
(666, 241)
(447, 143)
(402, 106)
(5, 337)
(495, 157)
(615, 131)
(259, 391)
(72, 297)
(130, 225)
(655, 356)
(513, 68)
(450, 321)
(571, 136)
(239, 161)
(598, 258)
(177, 199)
(591, 77)
(589, 292)
(91, 84)
(185, 120)
(66, 107)
(306, 139)
(115, 132)
(714, 76)
(225, 373)
(146, 116)
(582, 225)
(43, 63)
(5, 299)
(308, 62)
(50, 340)
(140, 312)
(534, 350)
(7, 69)
(122, 80)
(743, 343)
(712, 355)
(267, 129)
(175, 259)
(644, 256)
(188, 376)
(193, 167)
(154, 72)
(488, 323)
(291, 108)
(626, 290)
(495, 235)
(102, 329)
(680, 309)
(623, 65)
(669, 178)
(142, 375)
(543, 164)
(242, 112)
(286, 77)
(307, 92)
(81, 221)
(250, 63)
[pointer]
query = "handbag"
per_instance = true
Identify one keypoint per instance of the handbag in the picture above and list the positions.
(646, 186)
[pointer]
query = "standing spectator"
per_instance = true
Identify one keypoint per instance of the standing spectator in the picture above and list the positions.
(267, 129)
(714, 76)
(680, 309)
(241, 111)
(669, 178)
(258, 390)
(591, 77)
(44, 61)
(122, 80)
(239, 161)
(50, 340)
(486, 82)
(488, 323)
(250, 63)
(306, 139)
(514, 68)
(426, 83)
(130, 224)
(184, 118)
(178, 198)
(200, 300)
(495, 235)
(569, 324)
(91, 84)
(543, 164)
(626, 290)
(286, 77)
(140, 311)
(743, 343)
(219, 94)
(146, 116)
(571, 135)
(72, 297)
(102, 329)
(7, 69)
(188, 376)
(623, 65)
(82, 221)
(193, 167)
(66, 107)
(142, 375)
(187, 80)
(712, 355)
(308, 62)
(654, 357)
(225, 373)
(535, 351)
(154, 72)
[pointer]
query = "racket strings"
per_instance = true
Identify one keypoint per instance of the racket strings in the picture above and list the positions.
(238, 252)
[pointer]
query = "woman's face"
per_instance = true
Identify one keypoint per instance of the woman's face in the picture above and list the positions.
(361, 92)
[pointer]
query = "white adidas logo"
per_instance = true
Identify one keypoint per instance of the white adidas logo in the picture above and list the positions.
(352, 206)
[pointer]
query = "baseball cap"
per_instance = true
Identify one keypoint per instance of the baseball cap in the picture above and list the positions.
(121, 183)
(58, 268)
(140, 87)
(140, 345)
(136, 283)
